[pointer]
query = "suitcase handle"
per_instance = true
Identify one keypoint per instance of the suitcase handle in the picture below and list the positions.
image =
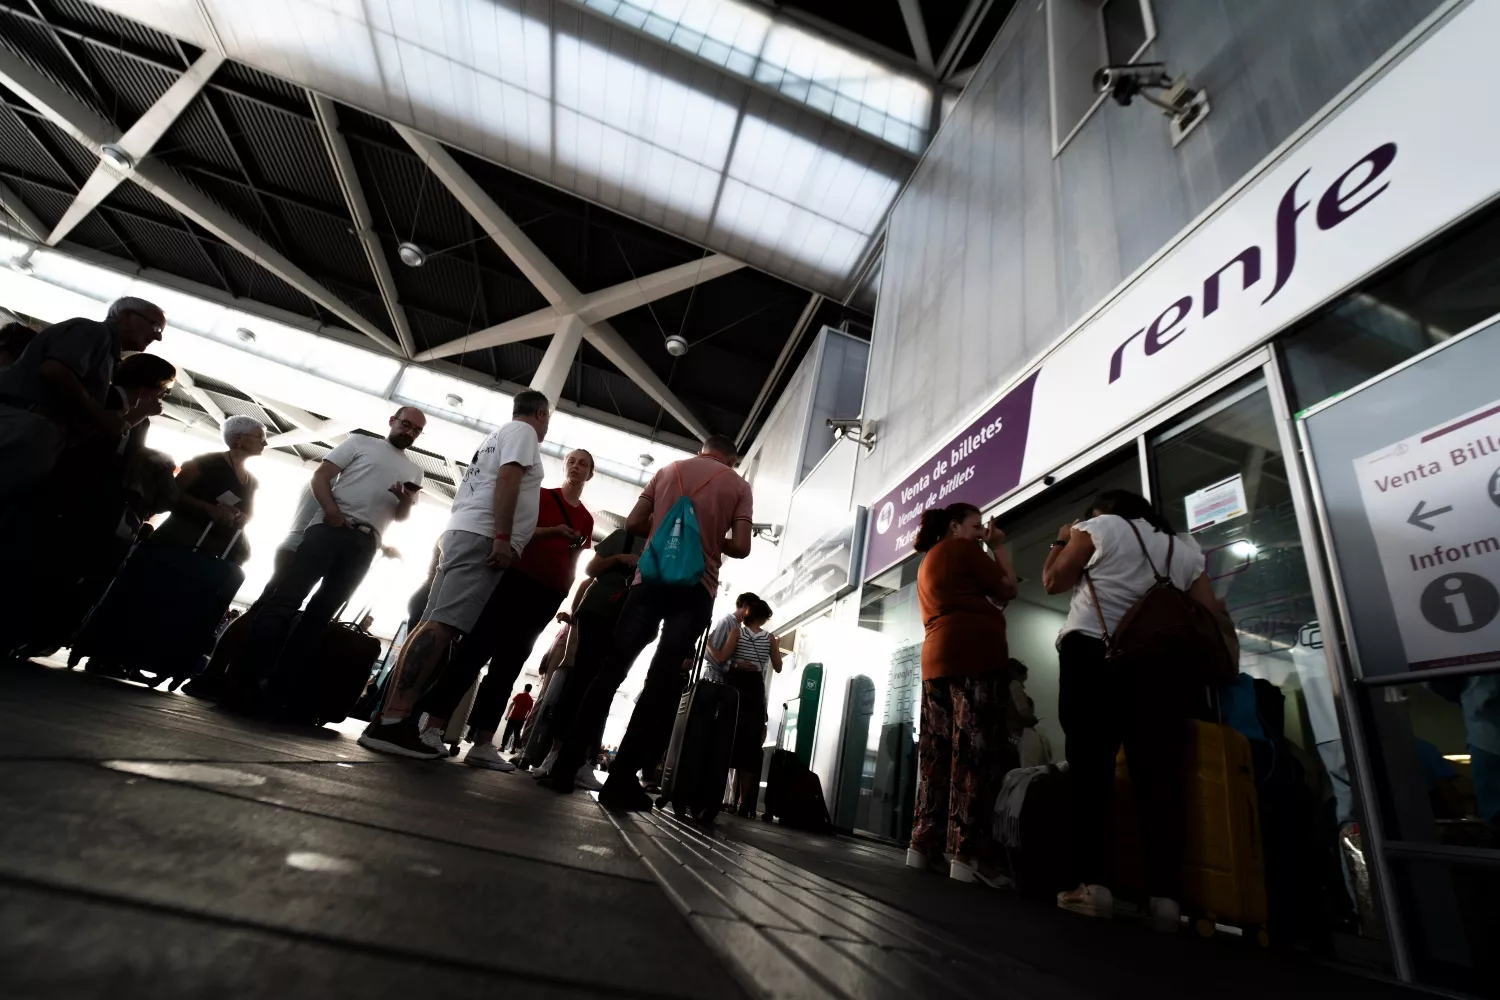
(232, 539)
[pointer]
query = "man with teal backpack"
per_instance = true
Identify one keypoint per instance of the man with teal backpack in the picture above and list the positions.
(693, 513)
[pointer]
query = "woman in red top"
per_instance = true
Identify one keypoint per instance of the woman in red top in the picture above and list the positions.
(964, 753)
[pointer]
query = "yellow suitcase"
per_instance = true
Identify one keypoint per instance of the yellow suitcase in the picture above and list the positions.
(1223, 865)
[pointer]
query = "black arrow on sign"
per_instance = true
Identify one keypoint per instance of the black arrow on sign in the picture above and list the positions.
(1420, 519)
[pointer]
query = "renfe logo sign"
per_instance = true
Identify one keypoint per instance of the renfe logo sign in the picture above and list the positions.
(1410, 155)
(1341, 200)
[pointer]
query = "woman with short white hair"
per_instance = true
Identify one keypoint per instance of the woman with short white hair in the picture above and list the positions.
(216, 495)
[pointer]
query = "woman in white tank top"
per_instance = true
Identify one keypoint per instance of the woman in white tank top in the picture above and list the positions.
(1104, 703)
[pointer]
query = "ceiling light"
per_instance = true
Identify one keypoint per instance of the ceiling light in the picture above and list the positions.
(646, 460)
(245, 335)
(454, 400)
(676, 346)
(411, 255)
(116, 157)
(23, 263)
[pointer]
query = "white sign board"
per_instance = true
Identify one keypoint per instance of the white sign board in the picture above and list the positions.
(1433, 503)
(1216, 504)
(1409, 155)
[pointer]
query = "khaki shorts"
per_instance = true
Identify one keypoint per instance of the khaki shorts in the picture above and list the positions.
(464, 581)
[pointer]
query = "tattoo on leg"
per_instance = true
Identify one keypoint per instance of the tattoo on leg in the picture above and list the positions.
(418, 653)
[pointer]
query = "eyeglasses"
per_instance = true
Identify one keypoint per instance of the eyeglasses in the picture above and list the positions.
(411, 428)
(157, 328)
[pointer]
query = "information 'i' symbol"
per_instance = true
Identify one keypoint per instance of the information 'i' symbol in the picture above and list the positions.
(1460, 602)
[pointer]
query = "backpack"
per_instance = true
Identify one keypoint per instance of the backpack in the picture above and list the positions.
(1169, 632)
(674, 555)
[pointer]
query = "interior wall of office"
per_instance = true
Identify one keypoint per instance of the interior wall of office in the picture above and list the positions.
(997, 246)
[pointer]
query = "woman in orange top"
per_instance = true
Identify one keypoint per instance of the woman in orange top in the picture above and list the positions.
(964, 752)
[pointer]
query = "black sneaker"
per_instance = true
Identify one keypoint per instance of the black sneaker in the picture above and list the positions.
(399, 738)
(625, 793)
(557, 782)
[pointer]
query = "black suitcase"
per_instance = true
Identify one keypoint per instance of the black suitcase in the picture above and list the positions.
(697, 764)
(160, 612)
(784, 766)
(339, 670)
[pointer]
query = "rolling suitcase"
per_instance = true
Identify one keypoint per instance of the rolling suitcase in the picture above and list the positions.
(210, 683)
(1223, 865)
(160, 611)
(784, 766)
(341, 668)
(697, 763)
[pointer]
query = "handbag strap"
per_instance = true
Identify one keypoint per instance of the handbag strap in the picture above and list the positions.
(561, 506)
(1171, 539)
(1109, 640)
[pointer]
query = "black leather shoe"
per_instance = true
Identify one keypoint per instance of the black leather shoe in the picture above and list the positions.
(625, 794)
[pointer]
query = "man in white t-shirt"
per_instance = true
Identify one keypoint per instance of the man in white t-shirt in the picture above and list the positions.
(493, 517)
(360, 487)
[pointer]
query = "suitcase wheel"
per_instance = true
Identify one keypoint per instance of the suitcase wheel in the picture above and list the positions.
(1204, 926)
(678, 811)
(453, 749)
(1262, 938)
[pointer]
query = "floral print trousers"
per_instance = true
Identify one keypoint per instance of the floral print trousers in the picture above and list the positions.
(962, 759)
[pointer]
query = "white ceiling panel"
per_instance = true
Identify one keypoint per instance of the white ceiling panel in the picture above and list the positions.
(711, 119)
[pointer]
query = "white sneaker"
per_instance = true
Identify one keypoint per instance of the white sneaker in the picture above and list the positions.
(546, 766)
(916, 859)
(434, 739)
(1090, 900)
(1166, 915)
(963, 871)
(485, 755)
(587, 780)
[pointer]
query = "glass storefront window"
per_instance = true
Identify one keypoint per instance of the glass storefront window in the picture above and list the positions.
(891, 688)
(1034, 618)
(1221, 465)
(1431, 294)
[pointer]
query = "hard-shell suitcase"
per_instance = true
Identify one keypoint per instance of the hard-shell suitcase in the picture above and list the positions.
(1223, 864)
(697, 764)
(341, 667)
(160, 612)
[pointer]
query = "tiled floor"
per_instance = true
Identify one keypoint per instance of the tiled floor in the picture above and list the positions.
(792, 934)
(152, 846)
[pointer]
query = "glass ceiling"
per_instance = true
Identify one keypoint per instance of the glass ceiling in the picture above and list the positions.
(712, 119)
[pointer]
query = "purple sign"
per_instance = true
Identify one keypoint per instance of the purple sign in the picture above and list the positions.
(978, 466)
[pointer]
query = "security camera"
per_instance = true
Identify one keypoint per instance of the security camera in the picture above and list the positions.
(1123, 83)
(855, 429)
(1186, 106)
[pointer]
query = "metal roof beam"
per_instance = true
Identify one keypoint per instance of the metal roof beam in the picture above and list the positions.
(526, 255)
(192, 388)
(595, 307)
(31, 226)
(962, 36)
(137, 143)
(364, 224)
(327, 430)
(916, 29)
(545, 275)
(93, 132)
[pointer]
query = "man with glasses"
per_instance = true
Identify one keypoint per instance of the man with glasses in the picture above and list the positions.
(54, 395)
(361, 486)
